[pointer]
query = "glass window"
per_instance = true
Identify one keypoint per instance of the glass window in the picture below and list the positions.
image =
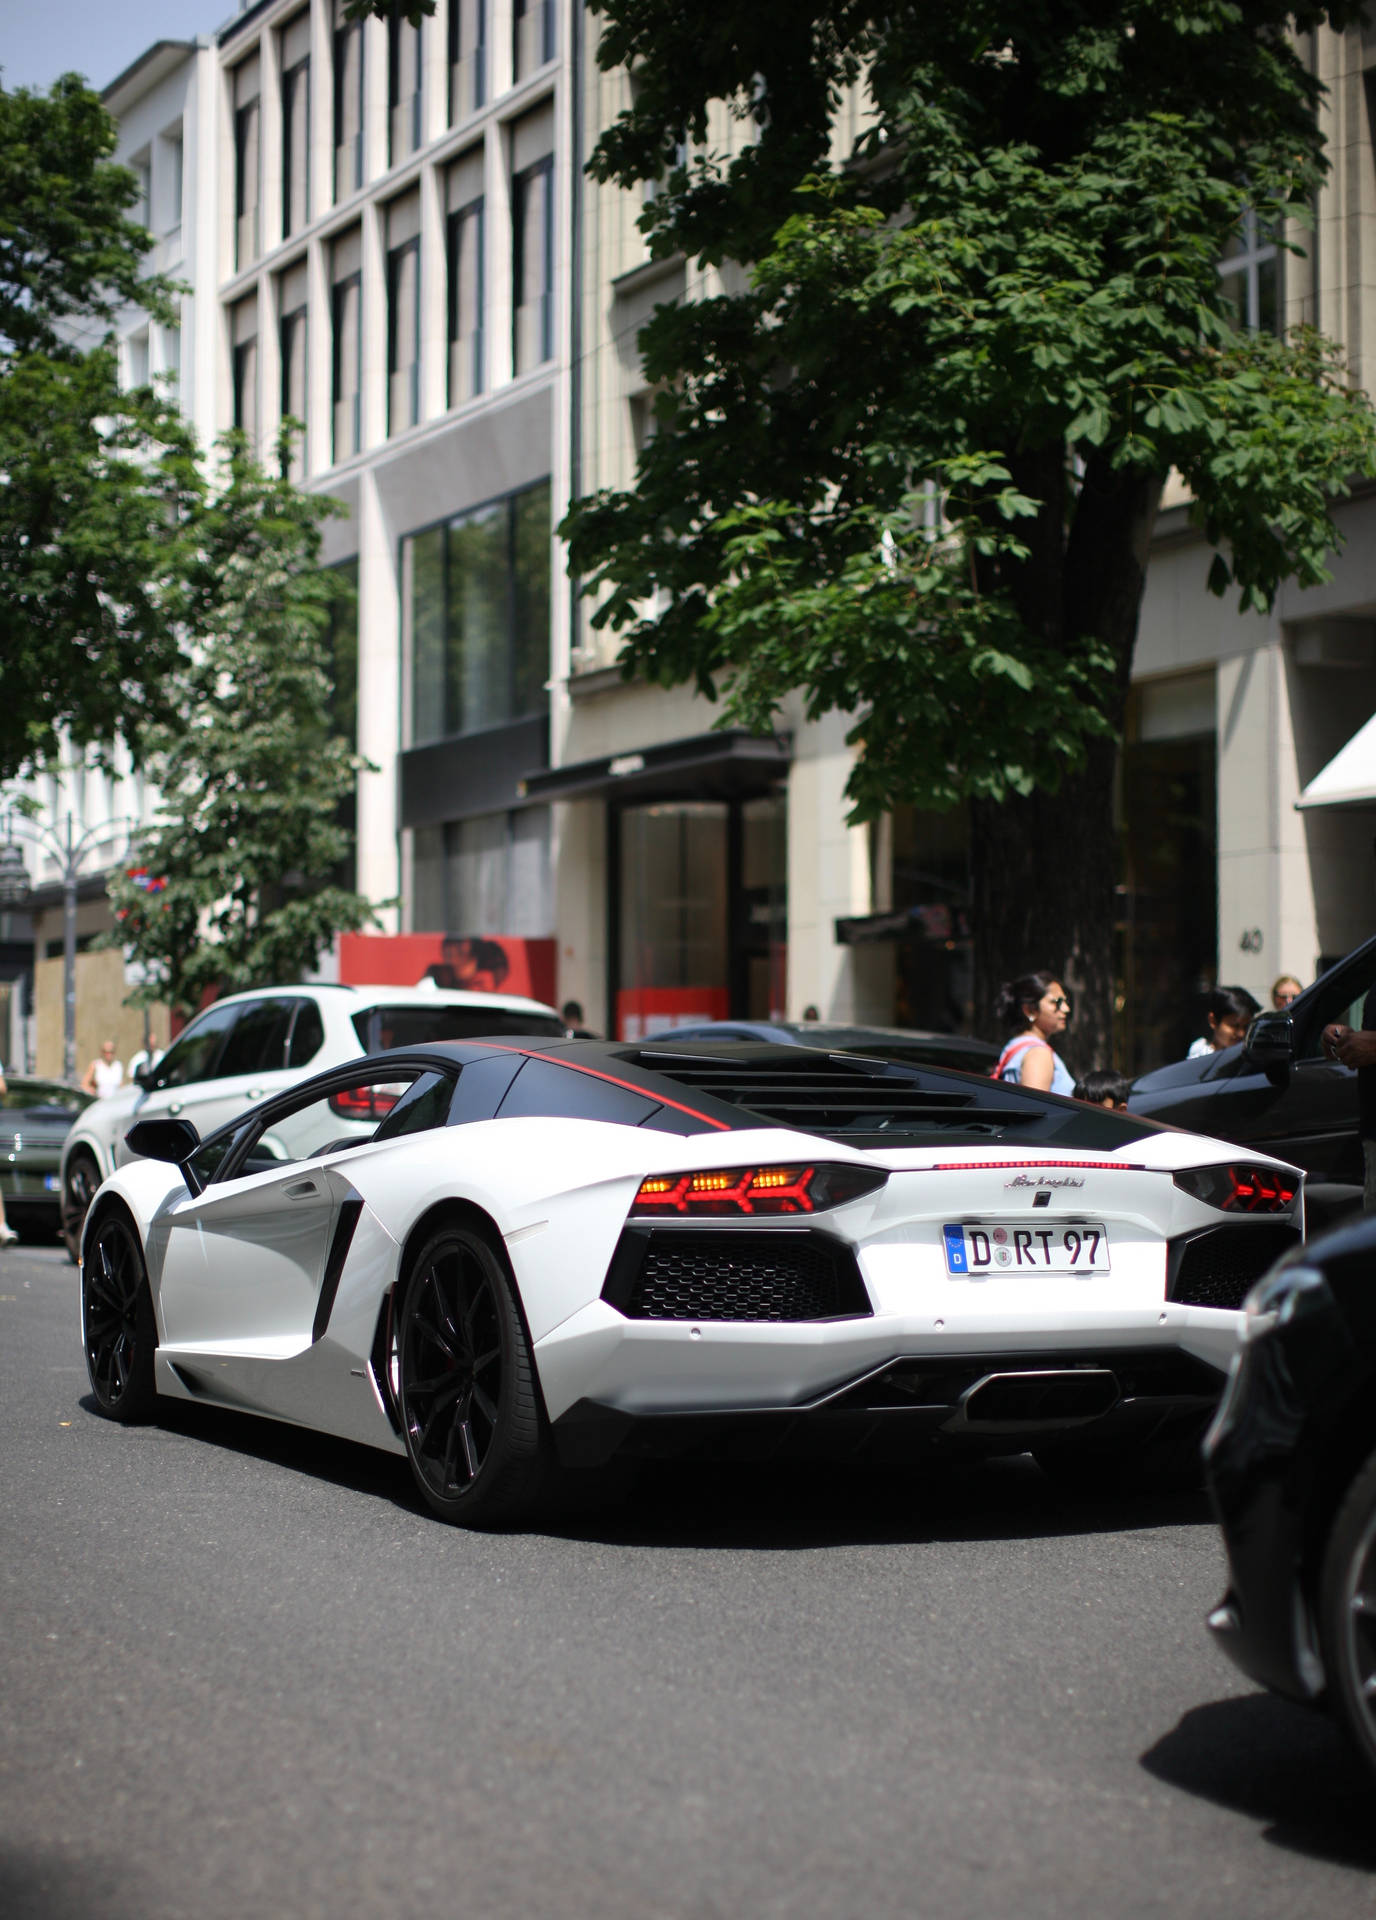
(403, 87)
(464, 253)
(246, 162)
(258, 1043)
(381, 1027)
(403, 336)
(244, 366)
(138, 359)
(348, 104)
(421, 1108)
(307, 1034)
(193, 1055)
(346, 298)
(477, 595)
(467, 57)
(293, 396)
(1250, 272)
(296, 147)
(532, 265)
(327, 1123)
(673, 958)
(170, 191)
(532, 31)
(493, 870)
(141, 212)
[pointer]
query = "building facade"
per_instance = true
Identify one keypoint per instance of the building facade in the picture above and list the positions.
(389, 239)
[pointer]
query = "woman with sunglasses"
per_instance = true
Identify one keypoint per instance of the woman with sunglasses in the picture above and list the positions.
(1036, 1003)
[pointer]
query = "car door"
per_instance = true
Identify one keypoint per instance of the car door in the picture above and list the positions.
(243, 1264)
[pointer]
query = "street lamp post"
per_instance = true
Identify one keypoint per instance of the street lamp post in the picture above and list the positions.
(16, 886)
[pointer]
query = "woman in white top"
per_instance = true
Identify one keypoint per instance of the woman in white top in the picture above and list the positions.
(1037, 1002)
(105, 1075)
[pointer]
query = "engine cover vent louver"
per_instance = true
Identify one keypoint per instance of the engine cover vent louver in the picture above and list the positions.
(835, 1093)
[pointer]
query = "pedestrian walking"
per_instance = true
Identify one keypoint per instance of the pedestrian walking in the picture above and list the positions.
(1038, 1005)
(1228, 1012)
(105, 1075)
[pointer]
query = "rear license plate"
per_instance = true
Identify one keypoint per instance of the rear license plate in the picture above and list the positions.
(972, 1249)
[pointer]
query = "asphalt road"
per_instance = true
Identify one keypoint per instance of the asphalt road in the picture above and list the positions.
(244, 1674)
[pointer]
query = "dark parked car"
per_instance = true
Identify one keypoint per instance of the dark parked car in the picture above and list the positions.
(1291, 1460)
(1278, 1093)
(907, 1044)
(35, 1118)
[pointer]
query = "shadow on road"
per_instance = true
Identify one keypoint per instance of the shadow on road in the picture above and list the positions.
(771, 1506)
(45, 1884)
(1277, 1763)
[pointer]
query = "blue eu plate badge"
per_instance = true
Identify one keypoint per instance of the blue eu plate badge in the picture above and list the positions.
(955, 1249)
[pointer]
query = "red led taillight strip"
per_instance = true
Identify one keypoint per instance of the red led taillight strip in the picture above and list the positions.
(996, 1166)
(742, 1190)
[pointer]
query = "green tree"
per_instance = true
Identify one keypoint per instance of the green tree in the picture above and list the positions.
(95, 480)
(252, 772)
(1003, 302)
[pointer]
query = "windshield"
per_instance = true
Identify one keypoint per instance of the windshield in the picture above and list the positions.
(42, 1093)
(381, 1027)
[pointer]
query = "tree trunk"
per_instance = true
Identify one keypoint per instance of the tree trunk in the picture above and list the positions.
(1044, 871)
(1043, 874)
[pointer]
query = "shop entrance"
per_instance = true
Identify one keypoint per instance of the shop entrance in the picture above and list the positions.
(699, 911)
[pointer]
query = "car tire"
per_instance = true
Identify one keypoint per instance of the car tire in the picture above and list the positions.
(79, 1184)
(1347, 1612)
(118, 1329)
(470, 1411)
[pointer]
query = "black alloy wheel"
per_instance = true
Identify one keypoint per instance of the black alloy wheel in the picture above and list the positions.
(79, 1185)
(118, 1327)
(1347, 1613)
(465, 1383)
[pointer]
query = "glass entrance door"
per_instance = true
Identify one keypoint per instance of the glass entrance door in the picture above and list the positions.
(673, 897)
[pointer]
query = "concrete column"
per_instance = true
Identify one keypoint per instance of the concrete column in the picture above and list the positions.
(322, 110)
(379, 699)
(497, 283)
(579, 854)
(375, 129)
(319, 360)
(373, 377)
(433, 312)
(1248, 819)
(828, 877)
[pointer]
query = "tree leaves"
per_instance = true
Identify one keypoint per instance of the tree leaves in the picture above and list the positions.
(1011, 296)
(251, 774)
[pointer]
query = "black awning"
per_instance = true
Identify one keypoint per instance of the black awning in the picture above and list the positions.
(709, 766)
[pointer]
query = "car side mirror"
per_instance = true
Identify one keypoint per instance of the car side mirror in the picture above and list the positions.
(172, 1140)
(144, 1077)
(1270, 1042)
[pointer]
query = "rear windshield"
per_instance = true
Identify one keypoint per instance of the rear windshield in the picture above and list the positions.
(381, 1027)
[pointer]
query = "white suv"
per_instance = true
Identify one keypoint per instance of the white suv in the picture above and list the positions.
(250, 1045)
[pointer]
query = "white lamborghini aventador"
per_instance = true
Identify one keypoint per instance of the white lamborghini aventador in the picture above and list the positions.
(489, 1254)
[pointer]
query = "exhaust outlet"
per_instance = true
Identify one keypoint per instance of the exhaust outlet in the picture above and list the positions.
(1017, 1402)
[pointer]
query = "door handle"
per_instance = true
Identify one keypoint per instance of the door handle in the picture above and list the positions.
(301, 1190)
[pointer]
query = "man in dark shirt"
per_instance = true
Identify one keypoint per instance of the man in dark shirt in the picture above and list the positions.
(1356, 1048)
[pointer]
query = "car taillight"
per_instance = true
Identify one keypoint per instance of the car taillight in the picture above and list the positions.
(363, 1103)
(752, 1190)
(1239, 1188)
